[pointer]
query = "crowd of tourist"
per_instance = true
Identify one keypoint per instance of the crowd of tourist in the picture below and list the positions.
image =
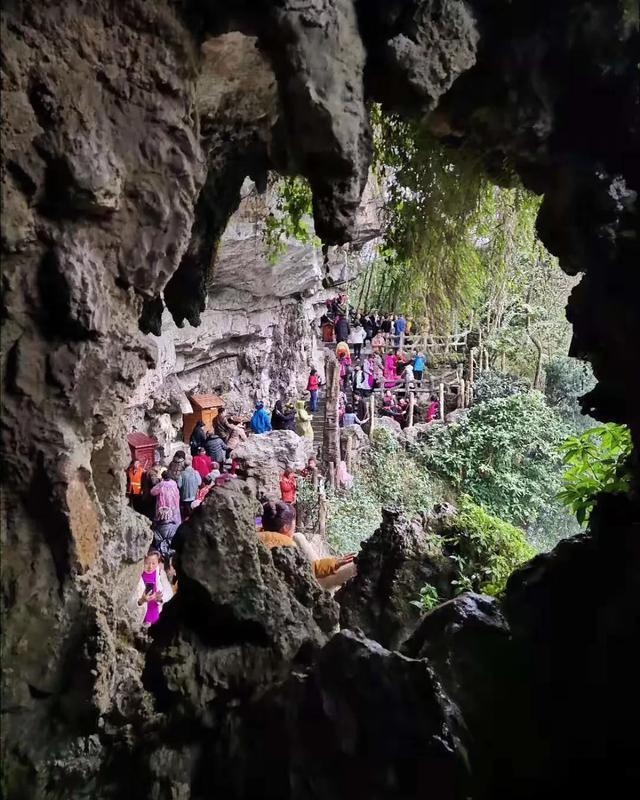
(168, 492)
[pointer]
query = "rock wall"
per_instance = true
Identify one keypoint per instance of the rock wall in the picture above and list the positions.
(258, 334)
(128, 132)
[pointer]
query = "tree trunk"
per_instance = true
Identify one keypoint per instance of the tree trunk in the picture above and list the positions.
(331, 438)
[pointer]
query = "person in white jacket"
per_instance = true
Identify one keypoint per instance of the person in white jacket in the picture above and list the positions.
(356, 338)
(153, 590)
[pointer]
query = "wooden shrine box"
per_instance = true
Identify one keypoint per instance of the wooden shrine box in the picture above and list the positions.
(205, 408)
(142, 447)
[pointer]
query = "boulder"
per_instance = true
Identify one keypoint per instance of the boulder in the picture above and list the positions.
(326, 733)
(393, 565)
(389, 424)
(264, 456)
(355, 439)
(242, 614)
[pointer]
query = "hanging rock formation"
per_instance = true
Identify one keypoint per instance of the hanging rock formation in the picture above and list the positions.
(122, 162)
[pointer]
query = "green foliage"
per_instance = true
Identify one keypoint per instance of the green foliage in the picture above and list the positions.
(567, 379)
(503, 454)
(448, 228)
(389, 477)
(596, 462)
(427, 599)
(291, 218)
(491, 385)
(445, 360)
(486, 549)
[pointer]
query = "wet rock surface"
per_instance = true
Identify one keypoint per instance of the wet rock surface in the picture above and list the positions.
(119, 174)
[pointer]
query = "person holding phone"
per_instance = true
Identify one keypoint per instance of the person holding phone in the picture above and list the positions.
(154, 588)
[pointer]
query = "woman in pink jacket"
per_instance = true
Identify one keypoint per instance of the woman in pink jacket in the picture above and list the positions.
(167, 495)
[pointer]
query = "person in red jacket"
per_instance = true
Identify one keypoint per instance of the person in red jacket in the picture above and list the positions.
(202, 463)
(312, 388)
(288, 486)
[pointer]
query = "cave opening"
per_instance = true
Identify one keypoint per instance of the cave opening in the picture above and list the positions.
(467, 165)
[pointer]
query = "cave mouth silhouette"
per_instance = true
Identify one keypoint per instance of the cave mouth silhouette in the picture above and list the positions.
(118, 179)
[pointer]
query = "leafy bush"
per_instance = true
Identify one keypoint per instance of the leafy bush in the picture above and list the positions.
(445, 360)
(491, 385)
(596, 462)
(567, 379)
(427, 599)
(292, 218)
(388, 477)
(503, 454)
(486, 549)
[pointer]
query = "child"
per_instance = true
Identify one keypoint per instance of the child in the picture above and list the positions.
(154, 588)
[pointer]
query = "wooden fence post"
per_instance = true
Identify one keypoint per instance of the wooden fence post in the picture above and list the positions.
(461, 394)
(348, 447)
(331, 437)
(322, 513)
(372, 413)
(441, 402)
(412, 402)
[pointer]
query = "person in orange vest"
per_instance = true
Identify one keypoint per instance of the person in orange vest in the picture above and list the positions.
(288, 486)
(135, 476)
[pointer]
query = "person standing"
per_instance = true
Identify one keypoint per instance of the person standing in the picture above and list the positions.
(135, 478)
(288, 486)
(154, 589)
(419, 365)
(312, 388)
(350, 418)
(188, 484)
(356, 338)
(198, 437)
(215, 448)
(167, 495)
(303, 420)
(342, 329)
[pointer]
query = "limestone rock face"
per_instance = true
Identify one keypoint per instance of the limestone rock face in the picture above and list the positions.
(393, 565)
(243, 613)
(263, 458)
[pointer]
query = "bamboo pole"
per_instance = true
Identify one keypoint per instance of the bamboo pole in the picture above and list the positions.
(331, 437)
(441, 402)
(322, 513)
(372, 413)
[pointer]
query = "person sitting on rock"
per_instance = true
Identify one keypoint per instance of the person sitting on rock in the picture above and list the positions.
(154, 589)
(288, 486)
(279, 530)
(202, 463)
(260, 422)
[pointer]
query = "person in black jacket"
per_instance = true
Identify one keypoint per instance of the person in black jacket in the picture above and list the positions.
(215, 448)
(198, 437)
(342, 329)
(282, 419)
